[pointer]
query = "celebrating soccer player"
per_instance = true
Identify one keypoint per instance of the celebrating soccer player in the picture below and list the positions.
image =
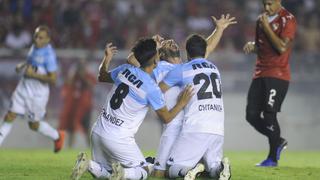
(275, 31)
(32, 93)
(203, 123)
(113, 144)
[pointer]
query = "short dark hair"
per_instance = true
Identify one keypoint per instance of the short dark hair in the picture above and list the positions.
(196, 46)
(144, 50)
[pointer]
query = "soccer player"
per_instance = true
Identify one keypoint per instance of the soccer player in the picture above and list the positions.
(169, 59)
(32, 93)
(201, 137)
(275, 31)
(113, 145)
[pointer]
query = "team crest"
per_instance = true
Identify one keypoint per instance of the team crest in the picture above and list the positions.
(275, 26)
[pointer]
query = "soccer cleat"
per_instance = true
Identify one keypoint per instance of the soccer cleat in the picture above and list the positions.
(192, 174)
(58, 144)
(117, 171)
(225, 173)
(81, 166)
(150, 159)
(267, 163)
(283, 145)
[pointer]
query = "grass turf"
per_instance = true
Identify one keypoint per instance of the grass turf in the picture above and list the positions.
(44, 165)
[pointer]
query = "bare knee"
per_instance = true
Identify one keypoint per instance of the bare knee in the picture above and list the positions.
(34, 126)
(10, 116)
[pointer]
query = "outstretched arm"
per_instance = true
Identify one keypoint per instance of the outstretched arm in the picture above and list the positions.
(215, 36)
(109, 52)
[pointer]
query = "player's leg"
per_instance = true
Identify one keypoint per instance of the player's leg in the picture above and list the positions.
(99, 167)
(218, 167)
(167, 139)
(184, 156)
(276, 90)
(255, 102)
(6, 125)
(17, 107)
(36, 113)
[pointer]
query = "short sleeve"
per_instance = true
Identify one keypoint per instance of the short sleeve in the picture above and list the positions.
(156, 99)
(289, 27)
(51, 61)
(174, 77)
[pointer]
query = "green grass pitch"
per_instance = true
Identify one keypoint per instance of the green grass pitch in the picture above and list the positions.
(44, 165)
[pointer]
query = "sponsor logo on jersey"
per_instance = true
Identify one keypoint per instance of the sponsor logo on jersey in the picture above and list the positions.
(132, 78)
(202, 65)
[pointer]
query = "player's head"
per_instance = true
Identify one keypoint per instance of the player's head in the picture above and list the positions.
(196, 46)
(170, 52)
(271, 7)
(41, 36)
(145, 51)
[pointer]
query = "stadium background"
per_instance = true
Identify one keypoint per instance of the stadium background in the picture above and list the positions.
(80, 29)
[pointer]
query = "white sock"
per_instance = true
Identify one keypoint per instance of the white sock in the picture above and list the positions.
(4, 130)
(47, 130)
(135, 173)
(98, 171)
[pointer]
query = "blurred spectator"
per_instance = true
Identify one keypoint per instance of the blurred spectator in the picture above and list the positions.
(77, 93)
(88, 24)
(18, 37)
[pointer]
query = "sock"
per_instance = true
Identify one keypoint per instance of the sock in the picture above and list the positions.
(215, 170)
(135, 173)
(5, 130)
(47, 130)
(176, 171)
(273, 135)
(98, 171)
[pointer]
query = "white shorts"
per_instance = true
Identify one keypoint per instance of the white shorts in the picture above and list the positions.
(191, 148)
(126, 151)
(32, 104)
(167, 140)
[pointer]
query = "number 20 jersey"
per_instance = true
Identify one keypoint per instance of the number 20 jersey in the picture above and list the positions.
(205, 112)
(127, 103)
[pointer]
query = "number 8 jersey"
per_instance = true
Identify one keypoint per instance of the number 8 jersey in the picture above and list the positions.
(127, 103)
(205, 112)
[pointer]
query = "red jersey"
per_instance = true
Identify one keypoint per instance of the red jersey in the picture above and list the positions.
(269, 62)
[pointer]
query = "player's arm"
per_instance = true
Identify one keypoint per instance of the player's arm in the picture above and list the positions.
(167, 115)
(104, 75)
(214, 38)
(50, 77)
(280, 44)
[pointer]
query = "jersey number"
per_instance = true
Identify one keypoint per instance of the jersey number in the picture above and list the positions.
(118, 96)
(213, 78)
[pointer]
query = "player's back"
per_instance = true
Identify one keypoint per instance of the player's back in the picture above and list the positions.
(205, 111)
(127, 102)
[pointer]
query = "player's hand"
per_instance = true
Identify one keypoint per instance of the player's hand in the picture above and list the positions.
(19, 67)
(132, 60)
(186, 95)
(158, 40)
(249, 47)
(263, 20)
(110, 51)
(29, 72)
(224, 21)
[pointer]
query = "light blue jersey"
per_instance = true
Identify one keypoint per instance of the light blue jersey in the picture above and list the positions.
(205, 112)
(127, 103)
(43, 61)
